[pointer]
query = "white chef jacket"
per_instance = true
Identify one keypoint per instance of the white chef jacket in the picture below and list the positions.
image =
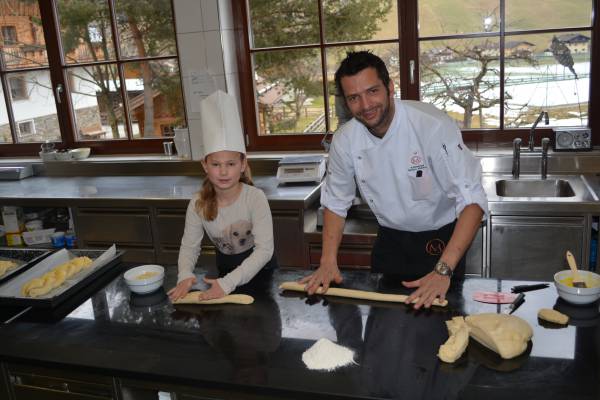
(418, 177)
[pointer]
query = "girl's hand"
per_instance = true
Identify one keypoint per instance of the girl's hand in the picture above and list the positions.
(181, 289)
(215, 291)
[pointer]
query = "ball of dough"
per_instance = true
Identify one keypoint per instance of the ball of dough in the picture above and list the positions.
(507, 335)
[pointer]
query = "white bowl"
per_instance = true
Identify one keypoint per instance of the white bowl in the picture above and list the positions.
(80, 153)
(576, 295)
(48, 155)
(63, 156)
(145, 278)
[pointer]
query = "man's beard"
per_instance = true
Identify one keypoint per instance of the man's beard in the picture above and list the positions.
(383, 118)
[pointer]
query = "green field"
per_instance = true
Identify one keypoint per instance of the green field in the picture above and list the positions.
(447, 17)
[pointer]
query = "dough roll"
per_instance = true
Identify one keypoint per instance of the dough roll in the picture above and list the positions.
(357, 294)
(194, 298)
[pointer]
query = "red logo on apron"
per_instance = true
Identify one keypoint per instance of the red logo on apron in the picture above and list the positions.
(415, 160)
(435, 247)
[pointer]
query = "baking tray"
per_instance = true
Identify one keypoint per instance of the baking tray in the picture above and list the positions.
(103, 262)
(25, 258)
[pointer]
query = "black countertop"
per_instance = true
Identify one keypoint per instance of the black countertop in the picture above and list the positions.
(258, 348)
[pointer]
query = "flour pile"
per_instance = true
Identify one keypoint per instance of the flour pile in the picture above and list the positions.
(326, 355)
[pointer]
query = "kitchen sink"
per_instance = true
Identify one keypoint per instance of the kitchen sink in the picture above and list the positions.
(534, 188)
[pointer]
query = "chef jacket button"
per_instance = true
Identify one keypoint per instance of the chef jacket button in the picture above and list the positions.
(467, 185)
(359, 157)
(362, 180)
(371, 200)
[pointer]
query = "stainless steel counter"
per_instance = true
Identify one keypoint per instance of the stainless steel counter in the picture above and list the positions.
(48, 191)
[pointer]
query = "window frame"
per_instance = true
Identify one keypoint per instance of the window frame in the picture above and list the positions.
(409, 50)
(58, 70)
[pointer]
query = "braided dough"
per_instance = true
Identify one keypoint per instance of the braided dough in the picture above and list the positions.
(6, 266)
(194, 298)
(357, 294)
(55, 277)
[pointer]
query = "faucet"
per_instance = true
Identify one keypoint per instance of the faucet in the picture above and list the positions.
(544, 115)
(516, 167)
(545, 143)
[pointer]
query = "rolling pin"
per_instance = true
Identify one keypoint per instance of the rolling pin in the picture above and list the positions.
(194, 298)
(357, 294)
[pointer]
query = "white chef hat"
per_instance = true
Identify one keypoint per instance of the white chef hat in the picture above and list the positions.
(221, 126)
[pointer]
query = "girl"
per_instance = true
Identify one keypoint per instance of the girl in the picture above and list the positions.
(234, 214)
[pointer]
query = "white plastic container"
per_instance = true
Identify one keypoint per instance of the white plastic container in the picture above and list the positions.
(34, 225)
(38, 237)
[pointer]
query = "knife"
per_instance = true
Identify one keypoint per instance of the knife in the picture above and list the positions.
(527, 288)
(517, 303)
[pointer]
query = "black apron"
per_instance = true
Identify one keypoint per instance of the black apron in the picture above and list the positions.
(411, 255)
(228, 262)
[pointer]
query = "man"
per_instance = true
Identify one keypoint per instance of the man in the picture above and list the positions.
(416, 174)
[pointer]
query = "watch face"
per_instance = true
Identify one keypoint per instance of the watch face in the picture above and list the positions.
(443, 269)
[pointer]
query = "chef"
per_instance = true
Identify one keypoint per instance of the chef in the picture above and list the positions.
(415, 173)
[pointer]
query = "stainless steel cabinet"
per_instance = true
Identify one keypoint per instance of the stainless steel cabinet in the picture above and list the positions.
(474, 257)
(533, 247)
(129, 228)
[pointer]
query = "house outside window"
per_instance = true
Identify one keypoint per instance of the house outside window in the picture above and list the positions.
(110, 78)
(18, 88)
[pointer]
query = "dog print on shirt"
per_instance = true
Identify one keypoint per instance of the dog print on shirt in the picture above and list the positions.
(236, 238)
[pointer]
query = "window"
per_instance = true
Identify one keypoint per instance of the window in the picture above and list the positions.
(18, 88)
(26, 129)
(9, 35)
(103, 72)
(491, 65)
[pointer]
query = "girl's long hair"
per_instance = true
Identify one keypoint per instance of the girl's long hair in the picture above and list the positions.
(206, 205)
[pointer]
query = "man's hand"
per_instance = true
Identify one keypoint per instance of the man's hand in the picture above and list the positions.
(429, 287)
(215, 291)
(322, 276)
(181, 289)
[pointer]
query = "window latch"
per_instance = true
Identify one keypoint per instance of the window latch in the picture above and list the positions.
(58, 91)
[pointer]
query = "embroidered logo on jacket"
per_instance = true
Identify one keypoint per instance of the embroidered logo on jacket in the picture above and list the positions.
(416, 162)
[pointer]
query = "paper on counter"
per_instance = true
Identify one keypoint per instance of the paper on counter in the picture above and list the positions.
(13, 287)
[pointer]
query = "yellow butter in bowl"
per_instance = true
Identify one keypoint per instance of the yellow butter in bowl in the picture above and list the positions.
(568, 281)
(146, 275)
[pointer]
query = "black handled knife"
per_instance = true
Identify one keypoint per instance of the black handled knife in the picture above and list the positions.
(528, 288)
(517, 303)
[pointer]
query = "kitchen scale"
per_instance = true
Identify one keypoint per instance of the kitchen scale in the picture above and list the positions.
(15, 173)
(301, 169)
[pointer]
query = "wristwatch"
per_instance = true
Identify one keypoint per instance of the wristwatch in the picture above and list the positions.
(443, 269)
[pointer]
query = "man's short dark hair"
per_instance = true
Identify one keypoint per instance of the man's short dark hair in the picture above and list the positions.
(355, 62)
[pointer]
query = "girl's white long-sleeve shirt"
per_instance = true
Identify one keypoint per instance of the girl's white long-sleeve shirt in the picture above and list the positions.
(245, 224)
